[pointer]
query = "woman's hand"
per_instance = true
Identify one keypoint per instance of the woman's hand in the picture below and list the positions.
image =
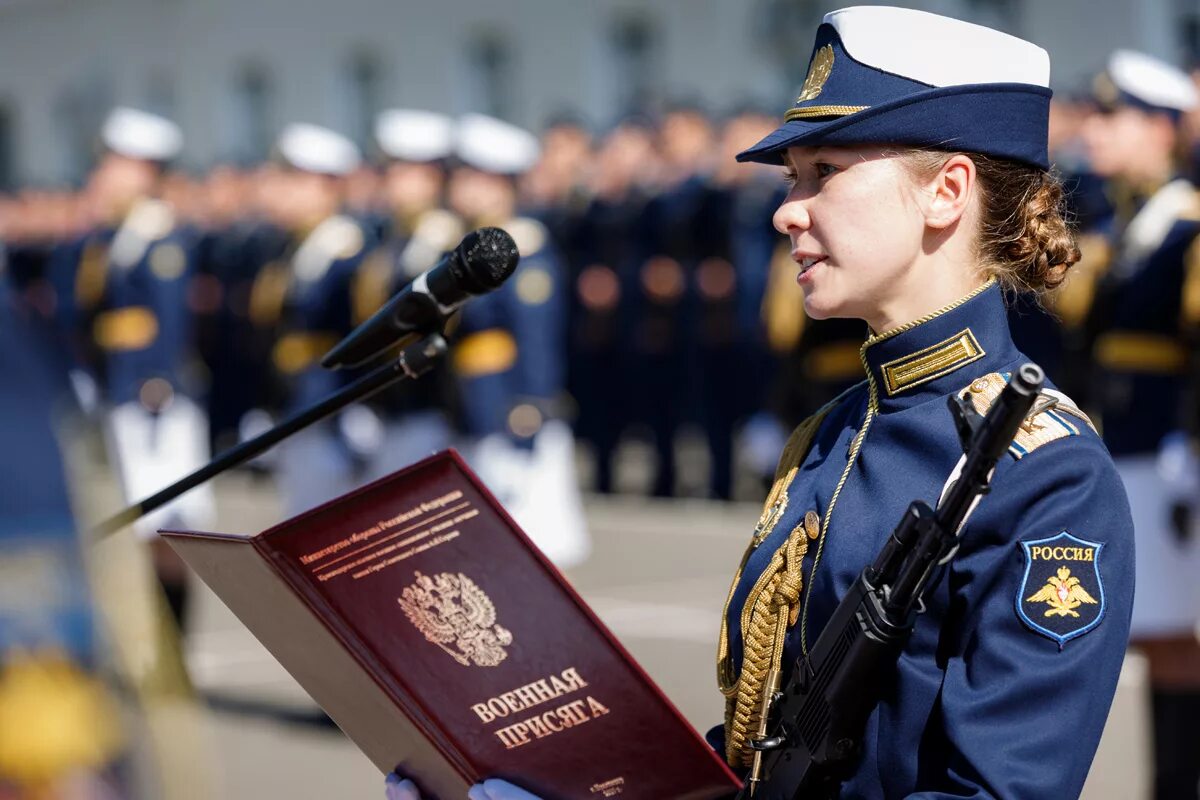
(401, 788)
(496, 789)
(492, 789)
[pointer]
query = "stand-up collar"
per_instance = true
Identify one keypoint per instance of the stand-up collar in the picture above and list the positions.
(941, 353)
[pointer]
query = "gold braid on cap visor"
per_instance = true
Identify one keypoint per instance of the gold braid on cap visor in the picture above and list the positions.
(822, 111)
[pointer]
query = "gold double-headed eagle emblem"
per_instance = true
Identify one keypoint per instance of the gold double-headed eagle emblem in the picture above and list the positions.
(1063, 593)
(452, 612)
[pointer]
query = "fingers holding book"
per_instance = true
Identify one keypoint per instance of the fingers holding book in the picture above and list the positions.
(496, 789)
(400, 788)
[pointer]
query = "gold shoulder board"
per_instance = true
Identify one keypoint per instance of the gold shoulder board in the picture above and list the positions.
(1054, 416)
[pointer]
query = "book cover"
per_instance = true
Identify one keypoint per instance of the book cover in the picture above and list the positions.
(421, 618)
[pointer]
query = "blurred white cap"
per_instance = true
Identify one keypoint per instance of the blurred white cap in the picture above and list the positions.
(413, 135)
(1152, 81)
(313, 148)
(140, 134)
(492, 145)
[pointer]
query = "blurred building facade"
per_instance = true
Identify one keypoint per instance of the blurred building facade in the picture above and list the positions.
(232, 72)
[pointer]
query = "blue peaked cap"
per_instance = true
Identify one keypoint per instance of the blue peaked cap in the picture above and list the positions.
(882, 75)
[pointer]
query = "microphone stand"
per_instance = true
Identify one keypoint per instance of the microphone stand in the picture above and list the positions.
(413, 362)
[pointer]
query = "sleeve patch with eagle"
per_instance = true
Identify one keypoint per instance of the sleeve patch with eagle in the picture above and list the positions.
(1061, 595)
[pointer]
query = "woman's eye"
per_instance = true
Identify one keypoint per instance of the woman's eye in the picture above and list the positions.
(824, 170)
(790, 177)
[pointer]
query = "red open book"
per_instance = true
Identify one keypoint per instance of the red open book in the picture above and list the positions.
(425, 623)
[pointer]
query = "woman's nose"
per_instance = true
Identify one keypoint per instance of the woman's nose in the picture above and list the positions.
(792, 214)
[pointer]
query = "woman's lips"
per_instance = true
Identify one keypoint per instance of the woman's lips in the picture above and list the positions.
(807, 264)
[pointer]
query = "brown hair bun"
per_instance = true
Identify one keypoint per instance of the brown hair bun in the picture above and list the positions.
(1024, 240)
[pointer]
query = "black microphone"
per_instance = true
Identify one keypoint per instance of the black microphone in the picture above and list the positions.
(483, 260)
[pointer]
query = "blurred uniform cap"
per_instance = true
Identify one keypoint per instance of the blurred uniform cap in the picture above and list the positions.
(412, 135)
(313, 148)
(1143, 81)
(140, 134)
(495, 146)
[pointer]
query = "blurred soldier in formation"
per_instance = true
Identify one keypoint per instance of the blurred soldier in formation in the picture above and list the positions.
(122, 290)
(716, 350)
(236, 243)
(509, 357)
(599, 373)
(306, 294)
(365, 200)
(556, 188)
(1146, 319)
(745, 197)
(750, 193)
(413, 415)
(556, 192)
(1087, 197)
(671, 244)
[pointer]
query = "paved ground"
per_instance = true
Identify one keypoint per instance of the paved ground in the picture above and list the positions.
(658, 577)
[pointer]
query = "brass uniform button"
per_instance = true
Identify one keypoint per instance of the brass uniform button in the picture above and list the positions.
(812, 524)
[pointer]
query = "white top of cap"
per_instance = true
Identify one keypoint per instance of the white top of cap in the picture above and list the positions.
(937, 50)
(413, 135)
(140, 134)
(1152, 80)
(316, 149)
(493, 145)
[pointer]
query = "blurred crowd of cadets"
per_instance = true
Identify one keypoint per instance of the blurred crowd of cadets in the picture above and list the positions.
(653, 294)
(678, 295)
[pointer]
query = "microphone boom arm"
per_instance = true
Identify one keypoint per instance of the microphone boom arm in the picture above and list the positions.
(413, 362)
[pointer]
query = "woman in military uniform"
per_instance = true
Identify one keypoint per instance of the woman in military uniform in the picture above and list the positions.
(1004, 688)
(920, 194)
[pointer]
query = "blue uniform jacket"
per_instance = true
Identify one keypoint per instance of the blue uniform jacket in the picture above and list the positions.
(509, 349)
(123, 300)
(998, 694)
(317, 308)
(1145, 348)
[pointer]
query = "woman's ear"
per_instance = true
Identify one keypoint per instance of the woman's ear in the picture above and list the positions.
(950, 192)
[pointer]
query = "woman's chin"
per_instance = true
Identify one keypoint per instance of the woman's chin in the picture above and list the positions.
(817, 307)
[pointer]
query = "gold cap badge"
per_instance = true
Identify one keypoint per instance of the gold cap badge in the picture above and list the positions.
(818, 73)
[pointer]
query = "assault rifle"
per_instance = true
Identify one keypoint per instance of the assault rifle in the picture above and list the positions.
(814, 726)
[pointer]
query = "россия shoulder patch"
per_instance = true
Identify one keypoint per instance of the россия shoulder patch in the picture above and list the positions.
(1061, 595)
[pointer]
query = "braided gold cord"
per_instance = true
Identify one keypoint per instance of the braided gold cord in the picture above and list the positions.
(822, 111)
(779, 586)
(773, 509)
(774, 607)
